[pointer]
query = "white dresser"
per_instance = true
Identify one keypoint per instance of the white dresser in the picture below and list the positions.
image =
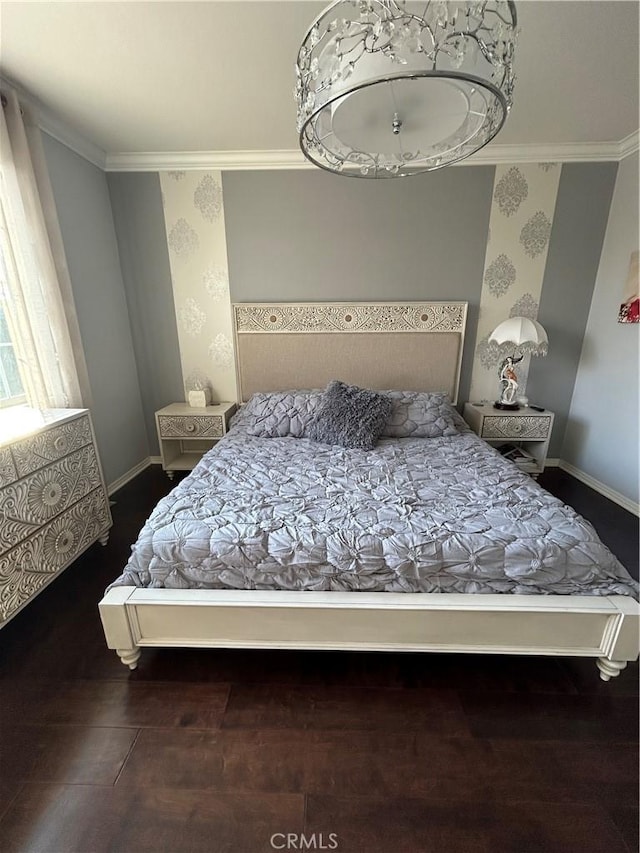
(53, 502)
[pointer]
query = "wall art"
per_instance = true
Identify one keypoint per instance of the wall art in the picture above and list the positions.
(630, 307)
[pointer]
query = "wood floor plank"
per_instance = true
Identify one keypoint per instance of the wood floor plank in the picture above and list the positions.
(548, 717)
(9, 790)
(82, 819)
(277, 760)
(302, 706)
(627, 820)
(114, 703)
(408, 825)
(80, 653)
(555, 771)
(72, 754)
(355, 763)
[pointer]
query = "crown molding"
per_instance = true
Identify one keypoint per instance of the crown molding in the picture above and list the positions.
(630, 144)
(159, 161)
(71, 139)
(558, 152)
(53, 126)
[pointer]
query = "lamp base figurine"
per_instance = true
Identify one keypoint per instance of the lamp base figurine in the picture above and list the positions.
(508, 384)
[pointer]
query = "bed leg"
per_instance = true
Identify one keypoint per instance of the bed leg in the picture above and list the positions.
(129, 657)
(610, 668)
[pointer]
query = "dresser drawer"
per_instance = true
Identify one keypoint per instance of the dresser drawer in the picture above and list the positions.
(37, 498)
(35, 562)
(516, 427)
(35, 452)
(7, 469)
(191, 426)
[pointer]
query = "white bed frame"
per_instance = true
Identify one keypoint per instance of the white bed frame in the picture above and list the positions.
(380, 346)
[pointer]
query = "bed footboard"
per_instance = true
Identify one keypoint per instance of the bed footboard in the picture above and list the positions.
(605, 628)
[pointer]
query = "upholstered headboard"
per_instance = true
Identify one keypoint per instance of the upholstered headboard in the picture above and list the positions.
(412, 346)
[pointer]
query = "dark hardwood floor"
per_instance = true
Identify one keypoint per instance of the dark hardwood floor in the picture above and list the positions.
(244, 751)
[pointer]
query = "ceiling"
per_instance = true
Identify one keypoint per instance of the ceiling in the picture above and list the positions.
(218, 76)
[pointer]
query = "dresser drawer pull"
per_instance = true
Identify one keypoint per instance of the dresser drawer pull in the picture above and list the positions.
(61, 444)
(52, 493)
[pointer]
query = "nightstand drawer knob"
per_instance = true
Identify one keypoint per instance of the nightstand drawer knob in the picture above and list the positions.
(190, 426)
(516, 427)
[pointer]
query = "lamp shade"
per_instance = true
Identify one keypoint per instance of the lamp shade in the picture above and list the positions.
(521, 331)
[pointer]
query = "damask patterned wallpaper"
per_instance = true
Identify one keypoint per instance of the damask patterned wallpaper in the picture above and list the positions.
(196, 240)
(522, 210)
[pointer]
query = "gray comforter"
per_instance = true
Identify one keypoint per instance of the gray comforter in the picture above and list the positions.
(417, 515)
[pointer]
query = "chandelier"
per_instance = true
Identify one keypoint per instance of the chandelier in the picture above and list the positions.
(386, 90)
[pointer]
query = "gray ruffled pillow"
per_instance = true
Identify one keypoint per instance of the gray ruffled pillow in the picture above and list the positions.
(350, 416)
(278, 414)
(419, 414)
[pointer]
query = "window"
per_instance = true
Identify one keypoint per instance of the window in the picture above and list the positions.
(11, 388)
(40, 346)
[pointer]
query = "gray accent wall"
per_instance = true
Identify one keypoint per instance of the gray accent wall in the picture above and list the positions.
(86, 222)
(579, 224)
(139, 221)
(603, 436)
(304, 236)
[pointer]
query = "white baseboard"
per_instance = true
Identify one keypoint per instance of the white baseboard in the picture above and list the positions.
(128, 475)
(155, 460)
(596, 485)
(551, 463)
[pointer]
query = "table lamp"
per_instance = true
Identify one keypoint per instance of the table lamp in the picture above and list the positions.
(525, 337)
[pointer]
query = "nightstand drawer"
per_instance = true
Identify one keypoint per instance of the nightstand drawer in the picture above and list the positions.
(191, 426)
(516, 427)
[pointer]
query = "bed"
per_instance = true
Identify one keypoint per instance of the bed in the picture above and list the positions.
(428, 541)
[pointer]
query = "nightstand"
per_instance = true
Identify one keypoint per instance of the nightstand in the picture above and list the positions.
(186, 433)
(527, 428)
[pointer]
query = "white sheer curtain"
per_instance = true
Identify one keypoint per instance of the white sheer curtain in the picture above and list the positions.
(35, 287)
